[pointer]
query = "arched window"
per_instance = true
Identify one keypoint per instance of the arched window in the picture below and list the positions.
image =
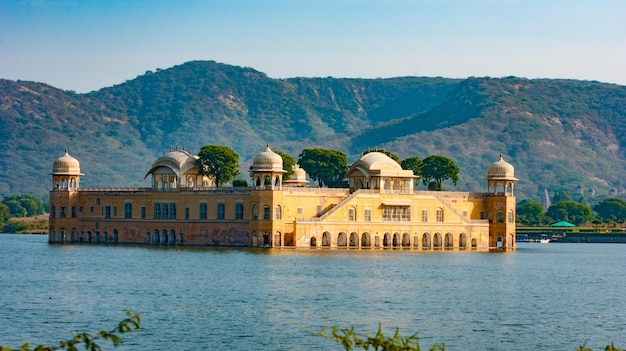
(387, 185)
(440, 215)
(511, 217)
(255, 212)
(266, 212)
(277, 212)
(351, 214)
(221, 210)
(203, 211)
(238, 211)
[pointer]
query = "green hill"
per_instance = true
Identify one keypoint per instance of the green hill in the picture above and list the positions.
(559, 134)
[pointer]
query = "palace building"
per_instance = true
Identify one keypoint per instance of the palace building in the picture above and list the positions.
(379, 209)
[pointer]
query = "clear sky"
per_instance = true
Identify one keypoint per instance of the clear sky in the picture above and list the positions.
(87, 45)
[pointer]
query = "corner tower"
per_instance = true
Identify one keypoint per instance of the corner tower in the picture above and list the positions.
(500, 204)
(64, 199)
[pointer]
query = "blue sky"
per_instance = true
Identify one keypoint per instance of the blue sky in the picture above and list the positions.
(87, 45)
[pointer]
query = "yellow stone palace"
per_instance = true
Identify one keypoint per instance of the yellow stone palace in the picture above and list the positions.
(379, 209)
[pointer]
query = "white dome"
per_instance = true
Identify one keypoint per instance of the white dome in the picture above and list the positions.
(267, 161)
(378, 161)
(501, 170)
(66, 165)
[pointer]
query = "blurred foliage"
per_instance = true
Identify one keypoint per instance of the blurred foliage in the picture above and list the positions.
(89, 341)
(23, 205)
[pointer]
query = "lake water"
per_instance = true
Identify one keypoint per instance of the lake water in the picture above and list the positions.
(540, 297)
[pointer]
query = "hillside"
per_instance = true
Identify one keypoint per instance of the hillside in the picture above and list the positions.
(559, 134)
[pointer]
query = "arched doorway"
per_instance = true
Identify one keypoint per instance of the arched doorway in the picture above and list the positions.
(366, 241)
(326, 239)
(164, 237)
(448, 241)
(396, 240)
(313, 241)
(156, 237)
(406, 240)
(277, 241)
(426, 241)
(115, 236)
(354, 240)
(342, 241)
(172, 237)
(386, 240)
(462, 240)
(437, 240)
(474, 244)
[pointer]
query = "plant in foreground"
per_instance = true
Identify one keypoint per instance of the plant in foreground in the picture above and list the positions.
(351, 340)
(130, 324)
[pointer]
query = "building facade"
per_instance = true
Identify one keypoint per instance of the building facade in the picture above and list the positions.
(379, 209)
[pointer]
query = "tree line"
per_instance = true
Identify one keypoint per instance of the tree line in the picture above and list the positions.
(326, 166)
(20, 206)
(564, 208)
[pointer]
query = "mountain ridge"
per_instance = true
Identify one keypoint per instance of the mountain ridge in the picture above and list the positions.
(559, 134)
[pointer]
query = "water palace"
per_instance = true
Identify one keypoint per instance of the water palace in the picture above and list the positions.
(379, 209)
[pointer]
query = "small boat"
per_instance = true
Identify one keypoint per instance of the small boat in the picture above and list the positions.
(544, 239)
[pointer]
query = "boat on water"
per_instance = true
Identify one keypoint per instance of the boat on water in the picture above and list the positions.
(544, 239)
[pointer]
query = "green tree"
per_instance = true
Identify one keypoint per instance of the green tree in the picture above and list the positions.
(388, 153)
(13, 226)
(414, 164)
(570, 211)
(15, 208)
(219, 162)
(611, 209)
(328, 167)
(529, 212)
(561, 196)
(24, 205)
(436, 169)
(240, 183)
(288, 163)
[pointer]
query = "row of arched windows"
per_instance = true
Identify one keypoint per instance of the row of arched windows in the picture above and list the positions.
(395, 240)
(164, 237)
(104, 237)
(158, 237)
(266, 214)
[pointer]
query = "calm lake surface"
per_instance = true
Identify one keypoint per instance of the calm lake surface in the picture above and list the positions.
(540, 297)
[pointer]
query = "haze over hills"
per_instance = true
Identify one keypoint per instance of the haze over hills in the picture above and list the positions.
(559, 134)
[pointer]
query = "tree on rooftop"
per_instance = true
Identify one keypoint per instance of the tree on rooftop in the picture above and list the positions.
(219, 162)
(328, 167)
(436, 169)
(414, 164)
(288, 163)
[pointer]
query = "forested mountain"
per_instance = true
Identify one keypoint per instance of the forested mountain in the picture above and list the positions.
(559, 134)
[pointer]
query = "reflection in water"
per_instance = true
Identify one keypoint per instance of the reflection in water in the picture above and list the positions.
(224, 298)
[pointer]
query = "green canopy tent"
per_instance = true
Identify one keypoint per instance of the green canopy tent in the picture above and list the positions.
(562, 224)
